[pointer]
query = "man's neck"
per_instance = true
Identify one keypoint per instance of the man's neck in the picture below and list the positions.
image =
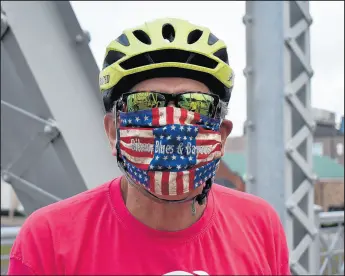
(160, 216)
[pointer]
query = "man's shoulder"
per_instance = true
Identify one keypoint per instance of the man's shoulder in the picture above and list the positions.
(56, 226)
(70, 208)
(253, 224)
(242, 203)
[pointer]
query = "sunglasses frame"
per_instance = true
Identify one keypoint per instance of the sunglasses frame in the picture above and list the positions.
(169, 97)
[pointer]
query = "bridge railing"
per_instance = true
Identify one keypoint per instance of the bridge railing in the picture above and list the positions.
(8, 235)
(330, 243)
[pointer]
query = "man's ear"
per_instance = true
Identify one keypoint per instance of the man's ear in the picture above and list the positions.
(109, 126)
(225, 130)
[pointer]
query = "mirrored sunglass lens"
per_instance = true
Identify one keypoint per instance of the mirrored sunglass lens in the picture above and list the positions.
(197, 102)
(144, 100)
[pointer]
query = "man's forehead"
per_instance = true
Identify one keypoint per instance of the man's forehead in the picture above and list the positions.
(170, 85)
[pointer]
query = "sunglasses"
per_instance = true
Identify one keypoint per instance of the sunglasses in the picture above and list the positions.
(203, 103)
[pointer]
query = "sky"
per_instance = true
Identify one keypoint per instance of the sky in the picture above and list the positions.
(105, 20)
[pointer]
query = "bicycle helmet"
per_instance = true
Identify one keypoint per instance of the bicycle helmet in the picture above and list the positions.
(165, 48)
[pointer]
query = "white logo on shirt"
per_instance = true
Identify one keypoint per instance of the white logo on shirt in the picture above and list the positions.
(179, 272)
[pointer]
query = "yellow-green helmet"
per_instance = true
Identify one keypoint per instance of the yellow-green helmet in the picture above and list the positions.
(165, 48)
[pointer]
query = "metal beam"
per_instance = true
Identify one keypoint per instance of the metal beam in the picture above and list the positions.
(279, 120)
(53, 143)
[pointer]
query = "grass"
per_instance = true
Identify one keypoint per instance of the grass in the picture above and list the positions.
(5, 250)
(335, 260)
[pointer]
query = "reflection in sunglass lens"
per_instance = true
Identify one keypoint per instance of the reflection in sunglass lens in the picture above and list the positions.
(197, 102)
(144, 100)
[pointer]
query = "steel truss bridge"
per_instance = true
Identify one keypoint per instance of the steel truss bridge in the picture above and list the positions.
(53, 144)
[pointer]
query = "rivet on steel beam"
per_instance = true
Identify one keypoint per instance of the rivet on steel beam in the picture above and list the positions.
(79, 38)
(315, 232)
(87, 36)
(50, 128)
(293, 263)
(290, 205)
(247, 71)
(311, 73)
(288, 92)
(84, 37)
(247, 19)
(248, 124)
(314, 178)
(309, 20)
(288, 38)
(6, 177)
(289, 149)
(4, 24)
(313, 127)
(249, 178)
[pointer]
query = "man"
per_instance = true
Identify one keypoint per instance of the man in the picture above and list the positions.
(164, 216)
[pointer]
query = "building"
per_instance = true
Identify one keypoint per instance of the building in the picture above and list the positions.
(329, 188)
(228, 176)
(328, 152)
(328, 139)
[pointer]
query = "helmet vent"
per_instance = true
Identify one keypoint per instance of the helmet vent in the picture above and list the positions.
(168, 33)
(168, 55)
(112, 57)
(123, 40)
(194, 36)
(222, 55)
(142, 36)
(212, 39)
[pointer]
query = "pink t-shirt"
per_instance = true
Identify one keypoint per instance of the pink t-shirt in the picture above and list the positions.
(94, 233)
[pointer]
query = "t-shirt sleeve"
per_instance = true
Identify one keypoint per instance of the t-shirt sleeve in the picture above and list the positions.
(281, 250)
(32, 251)
(16, 267)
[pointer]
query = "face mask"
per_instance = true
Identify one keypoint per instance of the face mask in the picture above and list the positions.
(169, 150)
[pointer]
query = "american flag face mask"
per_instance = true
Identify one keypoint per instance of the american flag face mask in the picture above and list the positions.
(169, 150)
